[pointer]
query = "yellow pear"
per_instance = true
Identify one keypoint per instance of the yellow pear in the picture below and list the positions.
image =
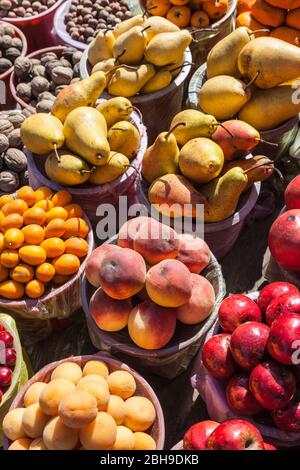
(116, 109)
(105, 66)
(175, 68)
(223, 96)
(41, 133)
(158, 25)
(161, 79)
(194, 124)
(116, 165)
(82, 93)
(101, 48)
(129, 48)
(66, 169)
(126, 25)
(166, 48)
(85, 131)
(128, 81)
(124, 138)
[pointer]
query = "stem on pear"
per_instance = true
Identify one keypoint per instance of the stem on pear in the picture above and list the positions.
(56, 153)
(264, 30)
(225, 129)
(263, 165)
(88, 171)
(185, 64)
(175, 127)
(145, 29)
(266, 142)
(253, 80)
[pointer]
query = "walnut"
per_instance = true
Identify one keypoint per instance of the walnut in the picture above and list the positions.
(62, 75)
(76, 57)
(15, 140)
(38, 85)
(12, 53)
(4, 144)
(15, 160)
(9, 181)
(44, 106)
(46, 95)
(17, 42)
(50, 56)
(51, 65)
(24, 179)
(6, 127)
(16, 119)
(38, 71)
(22, 67)
(24, 91)
(5, 64)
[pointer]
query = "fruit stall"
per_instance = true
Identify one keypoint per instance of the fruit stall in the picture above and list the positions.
(149, 225)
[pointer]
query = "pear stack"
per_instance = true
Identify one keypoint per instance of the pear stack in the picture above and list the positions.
(254, 79)
(140, 56)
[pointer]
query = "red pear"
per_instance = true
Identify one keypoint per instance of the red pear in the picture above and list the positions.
(236, 138)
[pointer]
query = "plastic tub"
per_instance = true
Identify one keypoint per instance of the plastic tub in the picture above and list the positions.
(157, 430)
(38, 29)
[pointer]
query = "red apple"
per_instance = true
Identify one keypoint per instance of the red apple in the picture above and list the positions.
(10, 357)
(248, 344)
(288, 418)
(284, 339)
(5, 376)
(272, 384)
(6, 338)
(273, 290)
(196, 436)
(239, 397)
(286, 303)
(236, 434)
(292, 194)
(237, 309)
(284, 240)
(269, 446)
(217, 358)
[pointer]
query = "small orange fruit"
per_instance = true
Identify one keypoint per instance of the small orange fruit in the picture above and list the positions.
(200, 19)
(179, 2)
(11, 290)
(18, 206)
(61, 198)
(33, 234)
(215, 9)
(66, 264)
(158, 7)
(1, 242)
(27, 194)
(13, 238)
(59, 279)
(43, 193)
(5, 198)
(181, 16)
(34, 289)
(11, 221)
(35, 215)
(76, 227)
(55, 228)
(22, 273)
(2, 216)
(44, 204)
(45, 272)
(76, 246)
(56, 213)
(74, 210)
(9, 258)
(3, 273)
(53, 246)
(32, 254)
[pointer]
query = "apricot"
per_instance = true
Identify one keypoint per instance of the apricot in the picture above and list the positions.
(78, 409)
(12, 424)
(143, 441)
(27, 194)
(55, 228)
(109, 314)
(128, 231)
(56, 213)
(33, 393)
(9, 258)
(13, 238)
(44, 204)
(74, 210)
(66, 265)
(93, 262)
(122, 273)
(22, 273)
(11, 290)
(76, 246)
(20, 444)
(4, 272)
(43, 193)
(68, 371)
(38, 444)
(45, 272)
(17, 206)
(54, 247)
(169, 283)
(34, 289)
(61, 198)
(124, 439)
(33, 234)
(57, 436)
(193, 252)
(100, 434)
(34, 421)
(96, 368)
(76, 227)
(97, 377)
(11, 221)
(140, 413)
(116, 408)
(32, 254)
(201, 303)
(5, 198)
(35, 215)
(97, 390)
(51, 396)
(121, 383)
(151, 326)
(156, 241)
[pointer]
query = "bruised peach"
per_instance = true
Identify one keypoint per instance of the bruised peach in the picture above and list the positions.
(116, 408)
(109, 314)
(193, 252)
(52, 395)
(20, 444)
(201, 303)
(151, 326)
(100, 434)
(122, 273)
(121, 383)
(93, 263)
(78, 409)
(67, 371)
(98, 390)
(156, 241)
(140, 413)
(169, 283)
(124, 439)
(12, 424)
(129, 230)
(33, 393)
(57, 436)
(34, 421)
(96, 368)
(143, 441)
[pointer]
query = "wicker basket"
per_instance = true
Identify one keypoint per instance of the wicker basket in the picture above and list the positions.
(143, 389)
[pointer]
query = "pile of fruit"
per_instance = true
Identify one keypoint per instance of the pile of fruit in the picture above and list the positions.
(153, 264)
(140, 55)
(87, 408)
(24, 9)
(257, 354)
(10, 47)
(235, 434)
(13, 161)
(40, 80)
(189, 13)
(8, 358)
(208, 169)
(84, 144)
(280, 17)
(252, 78)
(42, 241)
(86, 18)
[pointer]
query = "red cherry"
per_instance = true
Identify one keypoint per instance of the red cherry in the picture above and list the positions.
(6, 338)
(5, 376)
(10, 357)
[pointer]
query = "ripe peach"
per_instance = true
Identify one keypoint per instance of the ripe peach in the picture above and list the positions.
(100, 434)
(122, 273)
(98, 390)
(12, 424)
(109, 314)
(121, 383)
(96, 368)
(193, 252)
(124, 439)
(52, 395)
(143, 441)
(68, 371)
(128, 231)
(151, 326)
(78, 409)
(20, 444)
(140, 413)
(93, 263)
(95, 377)
(200, 304)
(117, 409)
(38, 444)
(156, 241)
(169, 283)
(34, 421)
(57, 436)
(33, 393)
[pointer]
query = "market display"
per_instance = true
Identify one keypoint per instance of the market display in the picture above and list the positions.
(15, 9)
(10, 47)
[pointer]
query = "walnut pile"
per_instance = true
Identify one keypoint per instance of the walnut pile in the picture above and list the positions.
(10, 47)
